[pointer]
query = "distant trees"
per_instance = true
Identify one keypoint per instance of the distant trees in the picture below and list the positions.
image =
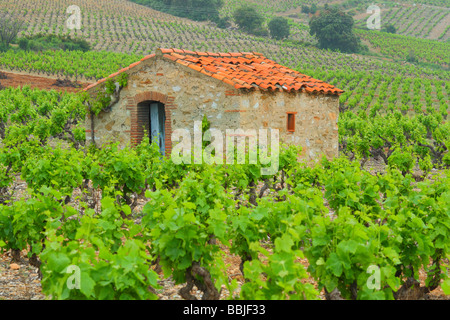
(250, 20)
(41, 42)
(279, 28)
(313, 9)
(9, 29)
(412, 57)
(334, 30)
(390, 28)
(199, 10)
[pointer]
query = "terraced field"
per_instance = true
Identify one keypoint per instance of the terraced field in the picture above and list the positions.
(268, 7)
(419, 21)
(134, 31)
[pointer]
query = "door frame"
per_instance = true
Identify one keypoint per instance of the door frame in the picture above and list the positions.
(157, 117)
(136, 130)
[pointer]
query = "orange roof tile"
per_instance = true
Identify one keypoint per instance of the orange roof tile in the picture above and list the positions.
(134, 64)
(189, 52)
(242, 70)
(148, 57)
(174, 58)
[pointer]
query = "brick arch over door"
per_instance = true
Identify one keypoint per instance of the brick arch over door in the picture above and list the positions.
(137, 130)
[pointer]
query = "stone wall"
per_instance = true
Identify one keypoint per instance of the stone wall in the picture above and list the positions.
(188, 95)
(316, 116)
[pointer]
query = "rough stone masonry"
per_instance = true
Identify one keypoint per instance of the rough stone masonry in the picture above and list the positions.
(188, 94)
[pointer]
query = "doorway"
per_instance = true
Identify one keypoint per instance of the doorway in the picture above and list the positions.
(157, 128)
(152, 117)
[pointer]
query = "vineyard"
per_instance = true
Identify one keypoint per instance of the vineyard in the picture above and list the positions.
(400, 47)
(421, 87)
(420, 21)
(130, 220)
(342, 223)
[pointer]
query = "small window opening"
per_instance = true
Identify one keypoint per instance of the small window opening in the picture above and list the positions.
(291, 122)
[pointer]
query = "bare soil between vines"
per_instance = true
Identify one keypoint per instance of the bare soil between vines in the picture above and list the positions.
(16, 80)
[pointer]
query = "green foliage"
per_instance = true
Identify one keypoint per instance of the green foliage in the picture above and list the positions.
(344, 220)
(399, 140)
(341, 252)
(431, 54)
(402, 160)
(248, 19)
(117, 172)
(346, 244)
(411, 57)
(305, 9)
(279, 28)
(10, 26)
(58, 168)
(104, 98)
(108, 269)
(23, 223)
(199, 10)
(390, 28)
(4, 47)
(93, 65)
(279, 277)
(41, 42)
(334, 30)
(183, 222)
(185, 227)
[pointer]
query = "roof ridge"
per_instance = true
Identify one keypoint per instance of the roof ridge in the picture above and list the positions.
(234, 68)
(208, 53)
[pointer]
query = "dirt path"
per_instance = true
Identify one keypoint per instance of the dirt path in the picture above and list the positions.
(44, 83)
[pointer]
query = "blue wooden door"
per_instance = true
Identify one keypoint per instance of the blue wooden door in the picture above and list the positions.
(157, 130)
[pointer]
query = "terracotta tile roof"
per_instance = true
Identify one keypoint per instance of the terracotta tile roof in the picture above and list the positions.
(242, 70)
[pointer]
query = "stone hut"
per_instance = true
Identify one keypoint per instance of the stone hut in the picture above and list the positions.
(174, 88)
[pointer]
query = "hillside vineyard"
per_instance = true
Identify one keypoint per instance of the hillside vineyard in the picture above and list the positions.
(94, 205)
